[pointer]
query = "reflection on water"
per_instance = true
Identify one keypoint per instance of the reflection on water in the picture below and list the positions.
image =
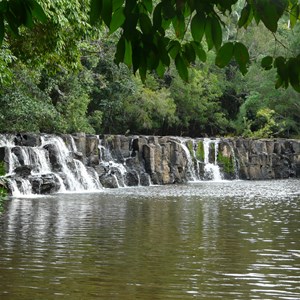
(229, 240)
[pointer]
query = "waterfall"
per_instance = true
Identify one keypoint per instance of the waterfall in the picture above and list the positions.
(190, 164)
(44, 164)
(77, 178)
(30, 167)
(211, 168)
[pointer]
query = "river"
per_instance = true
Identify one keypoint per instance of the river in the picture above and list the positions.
(206, 240)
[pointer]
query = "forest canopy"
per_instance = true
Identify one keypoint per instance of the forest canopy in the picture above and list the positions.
(62, 66)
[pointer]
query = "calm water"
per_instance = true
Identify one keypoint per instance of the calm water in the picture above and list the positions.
(229, 240)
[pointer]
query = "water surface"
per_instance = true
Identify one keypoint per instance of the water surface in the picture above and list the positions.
(207, 240)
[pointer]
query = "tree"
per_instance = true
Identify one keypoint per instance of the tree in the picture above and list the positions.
(145, 42)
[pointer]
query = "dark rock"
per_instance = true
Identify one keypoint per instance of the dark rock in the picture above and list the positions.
(23, 171)
(109, 181)
(27, 139)
(45, 184)
(132, 178)
(56, 165)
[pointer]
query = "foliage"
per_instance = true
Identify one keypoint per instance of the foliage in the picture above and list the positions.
(2, 168)
(145, 44)
(198, 109)
(144, 41)
(200, 151)
(58, 72)
(226, 162)
(149, 109)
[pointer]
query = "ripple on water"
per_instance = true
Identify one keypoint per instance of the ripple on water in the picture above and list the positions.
(223, 240)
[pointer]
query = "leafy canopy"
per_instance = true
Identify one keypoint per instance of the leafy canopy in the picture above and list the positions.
(146, 43)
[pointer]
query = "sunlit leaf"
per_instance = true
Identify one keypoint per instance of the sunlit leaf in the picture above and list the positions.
(117, 20)
(38, 12)
(294, 15)
(117, 4)
(128, 53)
(148, 5)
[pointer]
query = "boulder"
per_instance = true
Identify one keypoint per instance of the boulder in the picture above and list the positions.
(27, 139)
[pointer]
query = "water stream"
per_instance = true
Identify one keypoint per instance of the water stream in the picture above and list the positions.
(203, 240)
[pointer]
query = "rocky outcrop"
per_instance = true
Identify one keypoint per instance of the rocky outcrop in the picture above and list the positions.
(37, 162)
(267, 158)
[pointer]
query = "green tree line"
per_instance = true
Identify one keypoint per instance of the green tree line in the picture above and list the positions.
(59, 74)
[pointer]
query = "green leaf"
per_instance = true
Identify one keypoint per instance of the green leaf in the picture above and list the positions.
(160, 70)
(163, 53)
(242, 56)
(216, 32)
(198, 26)
(145, 23)
(179, 25)
(189, 53)
(168, 9)
(246, 16)
(13, 23)
(2, 30)
(294, 15)
(128, 53)
(208, 33)
(117, 4)
(270, 12)
(95, 12)
(174, 48)
(181, 67)
(294, 73)
(224, 55)
(106, 12)
(117, 20)
(3, 6)
(199, 51)
(38, 12)
(267, 62)
(157, 18)
(142, 67)
(148, 5)
(119, 56)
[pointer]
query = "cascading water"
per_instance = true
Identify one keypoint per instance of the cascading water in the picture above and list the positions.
(72, 175)
(211, 168)
(114, 169)
(190, 165)
(47, 164)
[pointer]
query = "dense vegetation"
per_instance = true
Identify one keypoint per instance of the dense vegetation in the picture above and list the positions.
(60, 75)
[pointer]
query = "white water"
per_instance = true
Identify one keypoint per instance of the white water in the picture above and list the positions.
(76, 178)
(211, 169)
(190, 164)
